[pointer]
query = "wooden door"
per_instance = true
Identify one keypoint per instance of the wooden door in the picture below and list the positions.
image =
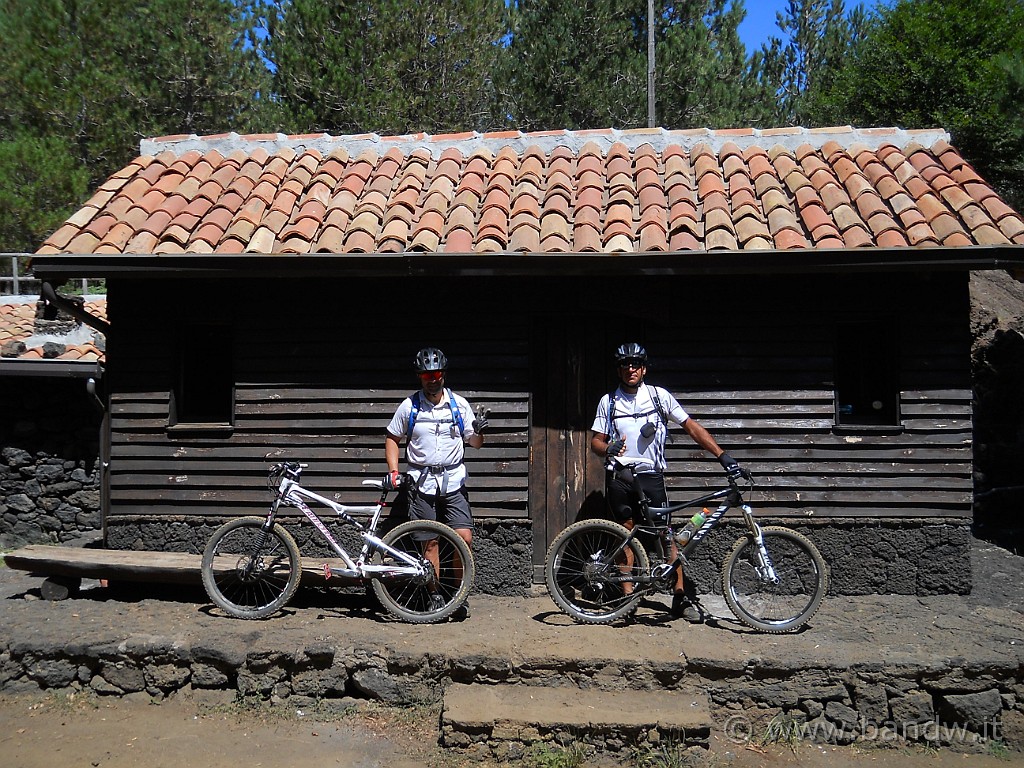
(569, 374)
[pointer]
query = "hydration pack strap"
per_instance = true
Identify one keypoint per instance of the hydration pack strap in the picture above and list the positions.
(456, 414)
(658, 409)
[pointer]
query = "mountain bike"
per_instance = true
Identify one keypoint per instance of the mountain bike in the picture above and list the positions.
(251, 566)
(773, 580)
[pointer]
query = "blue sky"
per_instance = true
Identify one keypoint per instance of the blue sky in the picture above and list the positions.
(759, 23)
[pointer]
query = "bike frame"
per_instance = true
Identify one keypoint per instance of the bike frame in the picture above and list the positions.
(731, 497)
(292, 494)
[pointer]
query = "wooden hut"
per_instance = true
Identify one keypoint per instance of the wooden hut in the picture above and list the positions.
(803, 292)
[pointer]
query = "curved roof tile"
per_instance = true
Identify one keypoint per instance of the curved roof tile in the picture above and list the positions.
(620, 191)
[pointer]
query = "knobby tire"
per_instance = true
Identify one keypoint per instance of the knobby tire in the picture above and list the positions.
(245, 582)
(775, 607)
(583, 580)
(409, 598)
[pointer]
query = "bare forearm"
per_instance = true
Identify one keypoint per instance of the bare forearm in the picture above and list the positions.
(391, 453)
(702, 438)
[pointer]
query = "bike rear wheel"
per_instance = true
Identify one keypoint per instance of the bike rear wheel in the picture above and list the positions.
(785, 603)
(412, 598)
(249, 573)
(584, 580)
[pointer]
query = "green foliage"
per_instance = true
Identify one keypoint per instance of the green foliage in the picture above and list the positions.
(954, 64)
(821, 38)
(584, 65)
(82, 81)
(574, 65)
(546, 756)
(40, 183)
(664, 754)
(390, 66)
(782, 729)
(703, 78)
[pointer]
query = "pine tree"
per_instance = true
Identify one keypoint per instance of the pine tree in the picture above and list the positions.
(703, 78)
(953, 64)
(90, 78)
(390, 66)
(820, 38)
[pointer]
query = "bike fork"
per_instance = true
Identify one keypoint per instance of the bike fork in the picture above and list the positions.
(764, 565)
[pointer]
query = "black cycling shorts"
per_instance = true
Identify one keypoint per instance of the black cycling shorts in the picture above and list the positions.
(622, 496)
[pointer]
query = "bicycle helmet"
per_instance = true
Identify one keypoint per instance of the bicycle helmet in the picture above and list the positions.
(630, 351)
(430, 359)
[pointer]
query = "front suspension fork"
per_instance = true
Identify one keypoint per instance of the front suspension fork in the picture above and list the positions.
(765, 567)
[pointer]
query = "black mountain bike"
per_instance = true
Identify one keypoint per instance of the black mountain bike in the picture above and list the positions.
(773, 580)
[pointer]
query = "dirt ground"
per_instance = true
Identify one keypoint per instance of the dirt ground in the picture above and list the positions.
(41, 731)
(209, 729)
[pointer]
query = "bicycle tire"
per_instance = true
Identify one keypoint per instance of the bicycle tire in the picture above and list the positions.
(574, 566)
(781, 606)
(408, 598)
(265, 588)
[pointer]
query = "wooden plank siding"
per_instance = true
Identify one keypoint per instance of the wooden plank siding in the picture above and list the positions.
(339, 433)
(764, 387)
(314, 389)
(318, 378)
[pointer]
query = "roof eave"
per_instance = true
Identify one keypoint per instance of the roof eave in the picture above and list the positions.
(59, 267)
(75, 369)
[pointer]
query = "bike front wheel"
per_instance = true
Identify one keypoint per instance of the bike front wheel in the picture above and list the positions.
(779, 602)
(250, 573)
(586, 573)
(438, 592)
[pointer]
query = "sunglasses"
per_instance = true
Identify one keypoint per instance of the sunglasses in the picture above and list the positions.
(431, 376)
(634, 364)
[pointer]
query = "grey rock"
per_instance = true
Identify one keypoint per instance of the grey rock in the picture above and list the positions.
(976, 710)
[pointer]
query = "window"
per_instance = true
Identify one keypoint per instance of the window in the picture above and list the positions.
(866, 374)
(204, 391)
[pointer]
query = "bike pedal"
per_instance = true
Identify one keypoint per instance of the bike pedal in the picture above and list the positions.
(327, 571)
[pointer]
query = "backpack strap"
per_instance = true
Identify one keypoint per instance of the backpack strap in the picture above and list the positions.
(658, 408)
(412, 416)
(456, 414)
(662, 413)
(611, 413)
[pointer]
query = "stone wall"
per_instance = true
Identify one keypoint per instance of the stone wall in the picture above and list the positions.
(49, 461)
(889, 557)
(502, 549)
(905, 557)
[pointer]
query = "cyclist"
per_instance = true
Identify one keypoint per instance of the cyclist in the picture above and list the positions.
(632, 422)
(436, 424)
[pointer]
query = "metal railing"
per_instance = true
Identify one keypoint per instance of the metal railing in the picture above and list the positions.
(16, 278)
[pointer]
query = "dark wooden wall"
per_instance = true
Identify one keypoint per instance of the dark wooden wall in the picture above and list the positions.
(320, 368)
(320, 372)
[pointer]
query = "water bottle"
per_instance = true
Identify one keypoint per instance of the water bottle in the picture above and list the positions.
(695, 522)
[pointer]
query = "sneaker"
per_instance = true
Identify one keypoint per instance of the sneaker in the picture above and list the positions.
(462, 612)
(437, 602)
(682, 608)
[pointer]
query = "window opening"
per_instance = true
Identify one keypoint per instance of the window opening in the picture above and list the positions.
(204, 392)
(867, 382)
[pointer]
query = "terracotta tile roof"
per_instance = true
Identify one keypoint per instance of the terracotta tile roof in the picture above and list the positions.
(553, 191)
(23, 336)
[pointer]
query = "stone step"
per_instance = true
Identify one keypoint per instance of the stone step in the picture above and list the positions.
(504, 721)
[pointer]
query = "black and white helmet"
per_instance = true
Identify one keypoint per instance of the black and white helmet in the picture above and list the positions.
(630, 351)
(430, 359)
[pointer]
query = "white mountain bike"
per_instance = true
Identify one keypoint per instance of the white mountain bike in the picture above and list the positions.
(252, 567)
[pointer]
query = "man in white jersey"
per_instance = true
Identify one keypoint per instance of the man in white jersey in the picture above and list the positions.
(437, 424)
(632, 422)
